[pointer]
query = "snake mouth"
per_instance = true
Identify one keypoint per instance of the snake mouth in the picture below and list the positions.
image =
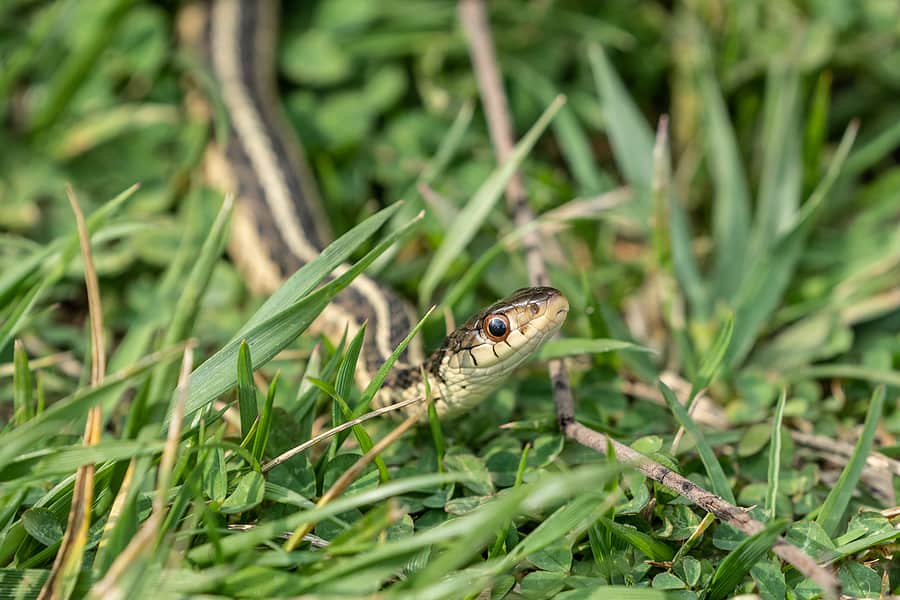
(558, 308)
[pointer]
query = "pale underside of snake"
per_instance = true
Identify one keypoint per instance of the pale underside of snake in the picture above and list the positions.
(279, 225)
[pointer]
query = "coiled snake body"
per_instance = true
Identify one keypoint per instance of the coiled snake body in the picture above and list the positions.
(279, 225)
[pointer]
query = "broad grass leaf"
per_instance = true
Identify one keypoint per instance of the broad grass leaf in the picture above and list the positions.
(738, 563)
(247, 494)
(649, 545)
(578, 511)
(311, 274)
(42, 525)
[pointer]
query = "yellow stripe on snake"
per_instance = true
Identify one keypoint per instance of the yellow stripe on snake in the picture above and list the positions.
(279, 225)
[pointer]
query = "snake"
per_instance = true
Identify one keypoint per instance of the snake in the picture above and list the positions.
(279, 224)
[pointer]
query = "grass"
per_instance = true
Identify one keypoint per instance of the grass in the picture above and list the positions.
(752, 273)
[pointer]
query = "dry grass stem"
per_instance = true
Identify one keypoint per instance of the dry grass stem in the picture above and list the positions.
(67, 563)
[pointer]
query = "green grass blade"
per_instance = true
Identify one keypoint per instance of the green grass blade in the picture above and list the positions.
(23, 389)
(738, 563)
(716, 475)
(510, 241)
(45, 464)
(471, 217)
(684, 263)
(816, 130)
(55, 257)
(435, 167)
(563, 347)
(781, 176)
(671, 232)
(731, 206)
(18, 317)
(847, 371)
(341, 408)
(347, 370)
(835, 506)
(774, 472)
(584, 508)
(629, 134)
(713, 359)
(874, 150)
(189, 301)
(16, 277)
(639, 362)
(246, 390)
(52, 261)
(261, 439)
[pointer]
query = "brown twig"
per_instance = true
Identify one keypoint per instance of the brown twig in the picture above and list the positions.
(149, 534)
(475, 24)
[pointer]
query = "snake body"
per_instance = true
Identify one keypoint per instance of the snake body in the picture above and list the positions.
(279, 225)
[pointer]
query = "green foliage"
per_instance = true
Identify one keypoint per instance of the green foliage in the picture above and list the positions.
(754, 268)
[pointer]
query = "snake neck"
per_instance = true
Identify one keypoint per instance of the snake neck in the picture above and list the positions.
(279, 223)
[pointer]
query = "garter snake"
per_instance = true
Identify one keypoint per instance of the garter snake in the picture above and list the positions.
(279, 225)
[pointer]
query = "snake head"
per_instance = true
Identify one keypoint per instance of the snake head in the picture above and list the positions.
(476, 358)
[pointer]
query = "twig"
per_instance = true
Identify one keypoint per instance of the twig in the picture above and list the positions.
(474, 22)
(67, 563)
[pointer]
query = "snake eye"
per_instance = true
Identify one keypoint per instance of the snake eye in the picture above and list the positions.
(496, 327)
